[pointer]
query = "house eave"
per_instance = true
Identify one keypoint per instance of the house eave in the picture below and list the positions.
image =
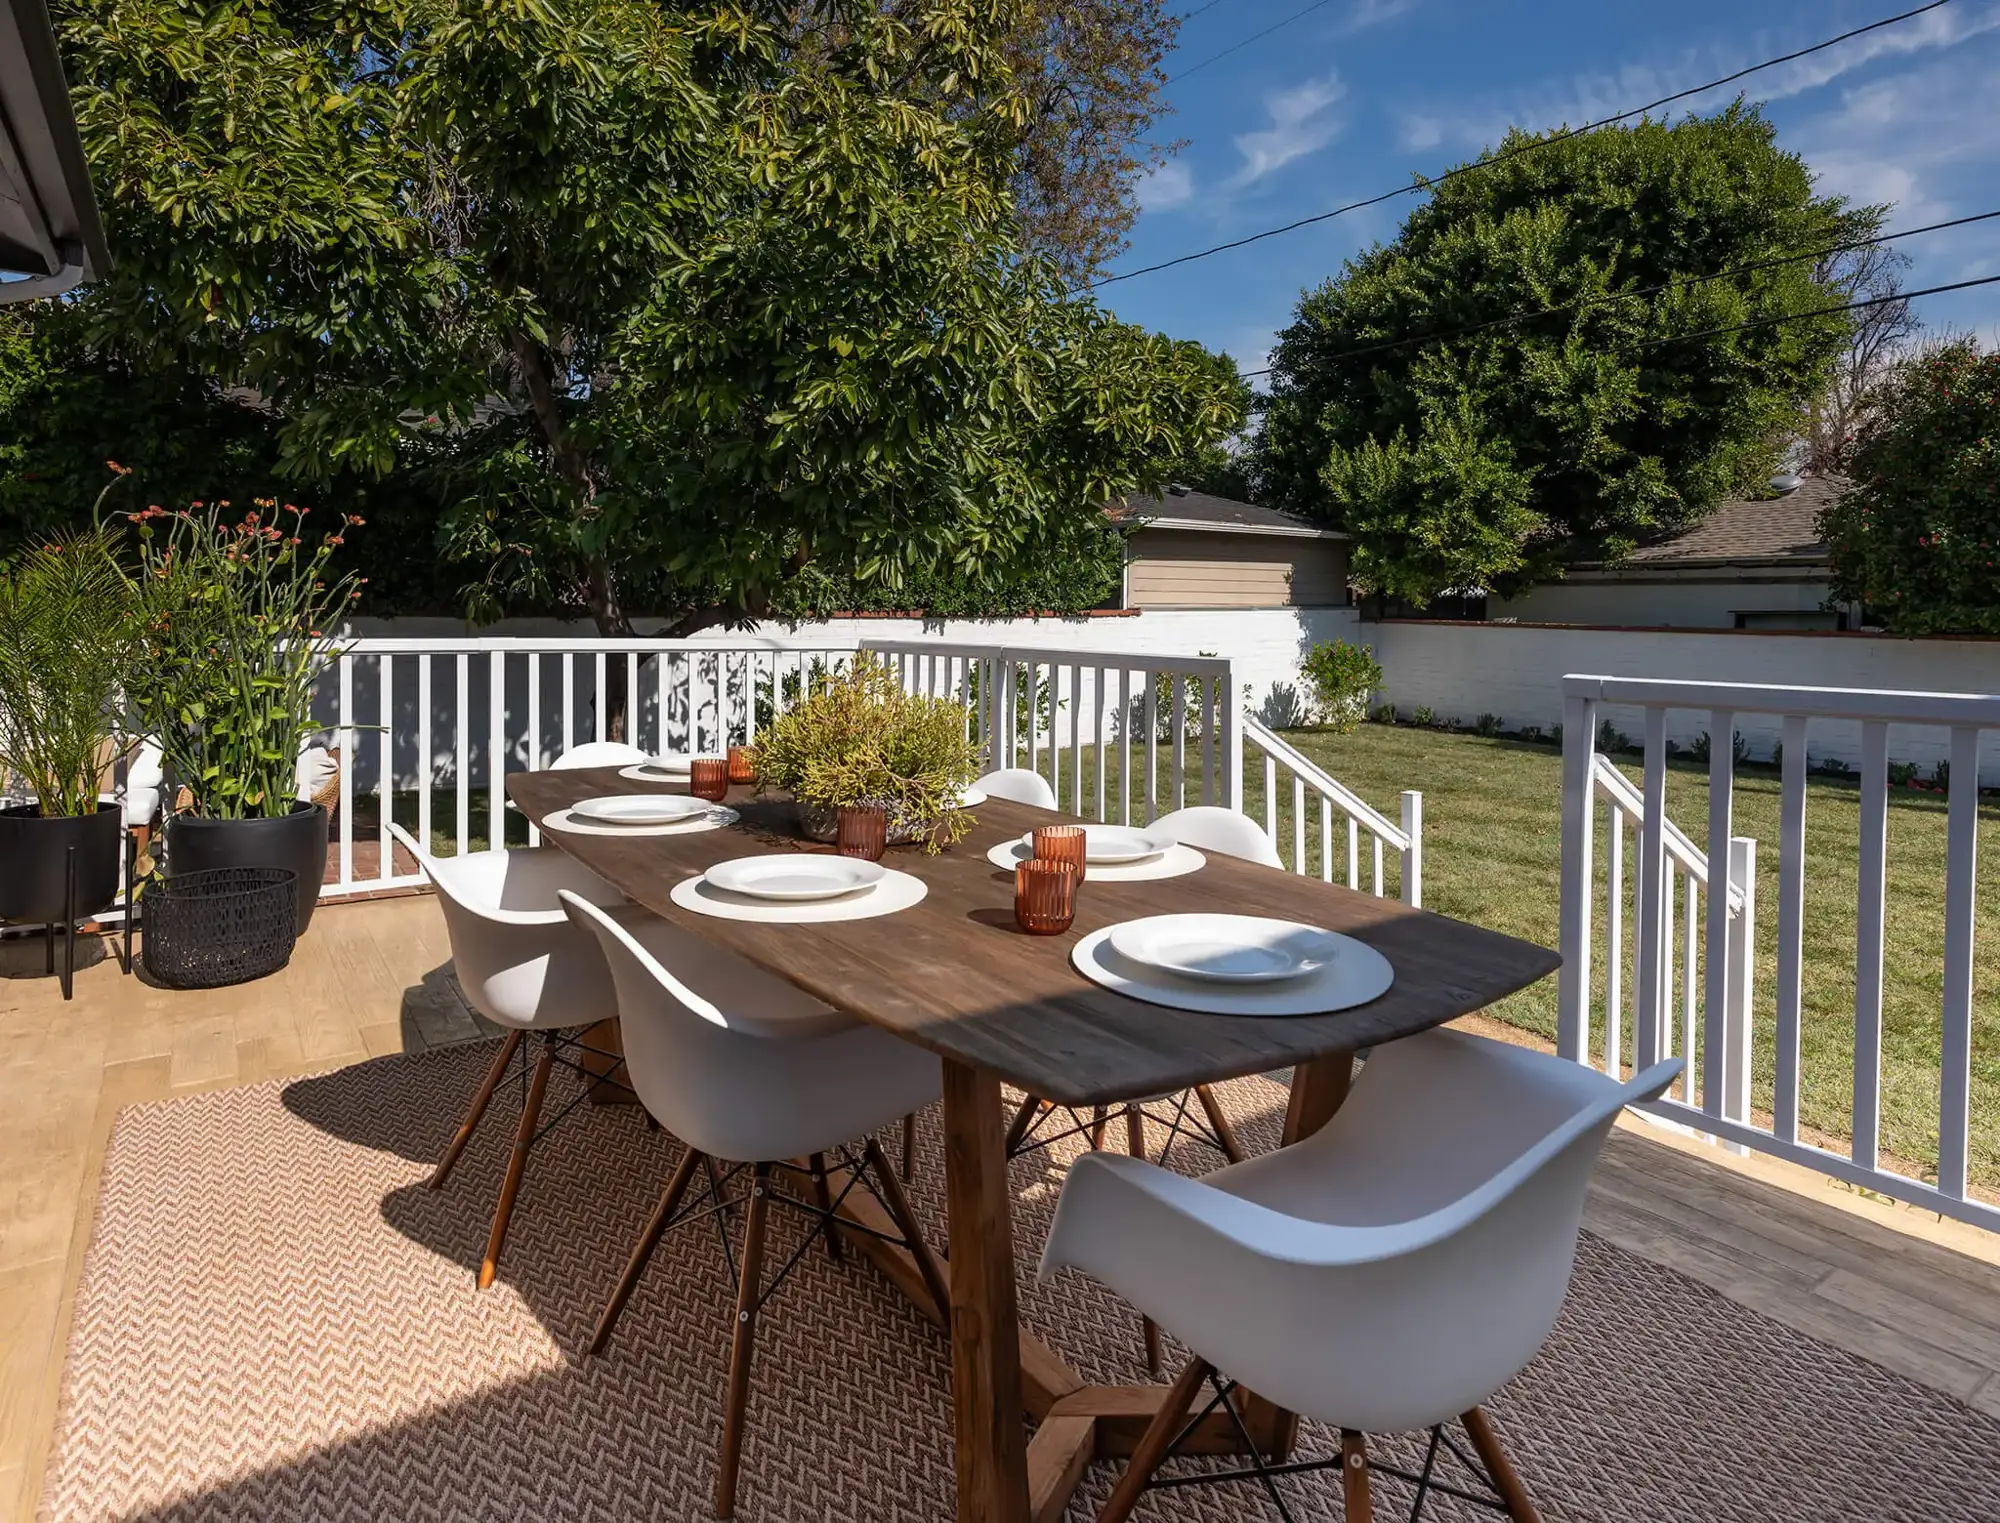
(1202, 526)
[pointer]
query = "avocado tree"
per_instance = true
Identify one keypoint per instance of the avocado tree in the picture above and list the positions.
(668, 302)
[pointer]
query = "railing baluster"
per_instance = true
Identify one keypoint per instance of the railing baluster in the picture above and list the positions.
(532, 741)
(1715, 998)
(1353, 854)
(1413, 854)
(385, 778)
(1100, 747)
(1208, 740)
(496, 747)
(1652, 892)
(1298, 823)
(1614, 946)
(462, 752)
(426, 763)
(635, 706)
(1791, 923)
(1733, 1100)
(1690, 954)
(1960, 887)
(1076, 739)
(1152, 745)
(1034, 716)
(601, 702)
(350, 754)
(1271, 798)
(1125, 745)
(1868, 943)
(1326, 838)
(663, 662)
(568, 699)
(1377, 841)
(1179, 795)
(1579, 814)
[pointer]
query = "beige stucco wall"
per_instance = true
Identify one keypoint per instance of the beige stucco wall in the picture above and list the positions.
(1180, 568)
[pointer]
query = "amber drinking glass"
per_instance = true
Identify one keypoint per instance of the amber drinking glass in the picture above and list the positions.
(1061, 843)
(743, 764)
(1045, 897)
(708, 778)
(861, 833)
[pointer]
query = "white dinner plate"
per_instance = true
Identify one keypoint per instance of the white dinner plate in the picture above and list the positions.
(1230, 949)
(794, 876)
(1107, 845)
(969, 798)
(669, 764)
(639, 808)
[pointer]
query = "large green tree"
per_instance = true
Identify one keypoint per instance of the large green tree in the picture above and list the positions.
(1463, 448)
(668, 302)
(1917, 540)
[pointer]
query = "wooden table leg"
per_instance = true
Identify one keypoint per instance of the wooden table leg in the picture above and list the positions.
(985, 1340)
(1319, 1089)
(605, 1037)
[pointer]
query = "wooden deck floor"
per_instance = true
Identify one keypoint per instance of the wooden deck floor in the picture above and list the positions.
(1914, 1294)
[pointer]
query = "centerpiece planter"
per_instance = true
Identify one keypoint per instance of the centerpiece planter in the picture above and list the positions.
(35, 862)
(294, 842)
(859, 741)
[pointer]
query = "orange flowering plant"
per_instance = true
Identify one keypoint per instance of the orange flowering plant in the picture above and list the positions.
(234, 633)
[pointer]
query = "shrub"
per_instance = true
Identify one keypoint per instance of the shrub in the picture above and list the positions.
(1611, 738)
(1487, 725)
(1341, 676)
(1941, 776)
(1833, 766)
(1701, 748)
(1902, 774)
(1425, 717)
(1917, 539)
(1386, 714)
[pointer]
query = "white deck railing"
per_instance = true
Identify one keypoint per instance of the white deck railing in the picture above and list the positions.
(1718, 1023)
(1309, 782)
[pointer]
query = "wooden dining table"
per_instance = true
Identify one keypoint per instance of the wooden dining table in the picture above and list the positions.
(954, 974)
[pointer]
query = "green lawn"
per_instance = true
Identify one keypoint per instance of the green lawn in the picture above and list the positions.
(1492, 855)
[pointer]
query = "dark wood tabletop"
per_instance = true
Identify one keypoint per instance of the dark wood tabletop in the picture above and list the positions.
(955, 974)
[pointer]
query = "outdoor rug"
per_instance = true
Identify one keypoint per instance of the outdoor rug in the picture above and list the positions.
(278, 1322)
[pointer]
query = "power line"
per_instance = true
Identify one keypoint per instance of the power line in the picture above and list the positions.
(1508, 153)
(1852, 306)
(1771, 322)
(1237, 47)
(1530, 314)
(1211, 5)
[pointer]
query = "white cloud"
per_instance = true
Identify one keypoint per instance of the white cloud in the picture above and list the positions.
(1166, 185)
(1419, 133)
(1302, 122)
(1367, 13)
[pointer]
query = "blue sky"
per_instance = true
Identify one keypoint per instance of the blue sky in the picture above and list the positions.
(1349, 100)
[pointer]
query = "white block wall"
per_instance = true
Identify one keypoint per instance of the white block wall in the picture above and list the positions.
(1464, 670)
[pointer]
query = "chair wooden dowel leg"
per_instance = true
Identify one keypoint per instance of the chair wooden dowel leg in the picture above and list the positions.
(670, 1200)
(906, 1223)
(1354, 1489)
(823, 1198)
(738, 1398)
(1506, 1480)
(524, 1138)
(1098, 1116)
(1135, 1144)
(1024, 1117)
(909, 1146)
(476, 1112)
(1219, 1123)
(1155, 1442)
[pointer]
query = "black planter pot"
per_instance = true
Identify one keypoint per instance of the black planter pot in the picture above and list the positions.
(34, 862)
(295, 841)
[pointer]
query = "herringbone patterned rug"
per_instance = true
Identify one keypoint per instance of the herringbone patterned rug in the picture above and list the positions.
(277, 1322)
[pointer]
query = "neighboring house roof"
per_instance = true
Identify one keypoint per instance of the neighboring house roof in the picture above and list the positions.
(50, 236)
(1759, 532)
(1180, 508)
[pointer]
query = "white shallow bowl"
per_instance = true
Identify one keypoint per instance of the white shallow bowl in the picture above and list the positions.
(1113, 844)
(969, 798)
(639, 808)
(1231, 949)
(792, 876)
(668, 764)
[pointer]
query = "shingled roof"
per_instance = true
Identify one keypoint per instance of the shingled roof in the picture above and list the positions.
(1773, 529)
(1182, 508)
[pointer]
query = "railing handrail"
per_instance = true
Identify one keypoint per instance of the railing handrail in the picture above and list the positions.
(1980, 710)
(1191, 666)
(522, 645)
(1317, 777)
(1625, 796)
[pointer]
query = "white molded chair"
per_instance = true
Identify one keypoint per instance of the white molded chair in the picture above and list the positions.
(1228, 831)
(750, 1068)
(1390, 1272)
(522, 965)
(598, 753)
(1020, 786)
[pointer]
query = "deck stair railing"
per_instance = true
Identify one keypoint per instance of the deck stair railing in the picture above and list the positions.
(1717, 1000)
(1310, 784)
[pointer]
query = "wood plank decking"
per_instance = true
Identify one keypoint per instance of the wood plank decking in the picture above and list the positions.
(1884, 1281)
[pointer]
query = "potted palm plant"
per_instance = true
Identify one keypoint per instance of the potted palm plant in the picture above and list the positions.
(232, 638)
(65, 643)
(860, 740)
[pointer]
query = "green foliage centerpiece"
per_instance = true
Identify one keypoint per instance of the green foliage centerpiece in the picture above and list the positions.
(860, 740)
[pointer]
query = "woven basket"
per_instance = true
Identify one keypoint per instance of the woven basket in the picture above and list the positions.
(226, 925)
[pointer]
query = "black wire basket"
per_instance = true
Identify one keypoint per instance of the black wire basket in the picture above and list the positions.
(225, 925)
